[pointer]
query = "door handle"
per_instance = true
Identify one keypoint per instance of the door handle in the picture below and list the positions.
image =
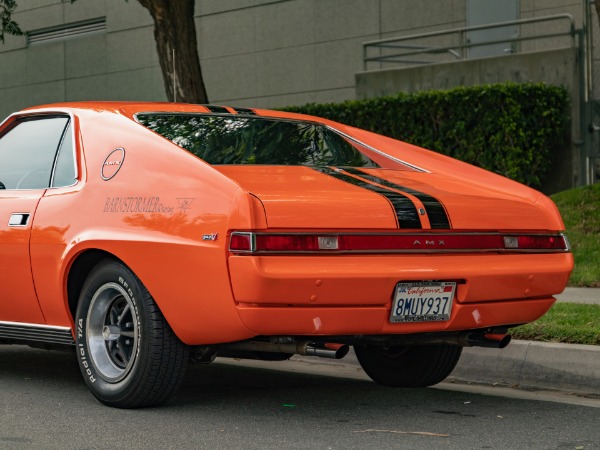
(18, 220)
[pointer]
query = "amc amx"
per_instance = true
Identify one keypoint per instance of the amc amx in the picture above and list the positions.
(149, 235)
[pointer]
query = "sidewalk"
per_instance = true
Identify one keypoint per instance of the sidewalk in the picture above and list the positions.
(580, 295)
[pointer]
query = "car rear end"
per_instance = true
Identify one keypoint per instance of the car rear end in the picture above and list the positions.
(349, 245)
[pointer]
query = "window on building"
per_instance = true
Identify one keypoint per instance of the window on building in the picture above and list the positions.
(485, 12)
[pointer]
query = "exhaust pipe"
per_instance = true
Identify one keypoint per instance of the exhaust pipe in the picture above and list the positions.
(332, 351)
(488, 340)
(307, 348)
(491, 338)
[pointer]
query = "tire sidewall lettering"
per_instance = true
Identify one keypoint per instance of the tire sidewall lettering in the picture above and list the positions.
(86, 363)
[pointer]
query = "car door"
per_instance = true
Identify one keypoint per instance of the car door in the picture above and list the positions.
(28, 149)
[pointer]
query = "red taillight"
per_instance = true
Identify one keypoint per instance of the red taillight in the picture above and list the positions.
(241, 242)
(286, 243)
(543, 242)
(245, 242)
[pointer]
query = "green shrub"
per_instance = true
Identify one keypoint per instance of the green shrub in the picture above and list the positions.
(511, 129)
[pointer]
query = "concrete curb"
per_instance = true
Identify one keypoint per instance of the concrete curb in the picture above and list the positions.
(530, 364)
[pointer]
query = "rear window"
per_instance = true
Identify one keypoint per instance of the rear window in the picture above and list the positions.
(249, 140)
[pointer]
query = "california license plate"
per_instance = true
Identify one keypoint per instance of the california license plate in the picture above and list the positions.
(423, 301)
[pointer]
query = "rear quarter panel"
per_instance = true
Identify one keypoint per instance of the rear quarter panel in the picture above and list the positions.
(151, 215)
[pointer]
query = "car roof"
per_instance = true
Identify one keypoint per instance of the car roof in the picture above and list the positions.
(130, 109)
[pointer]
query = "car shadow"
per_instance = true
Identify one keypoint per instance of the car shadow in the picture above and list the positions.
(20, 362)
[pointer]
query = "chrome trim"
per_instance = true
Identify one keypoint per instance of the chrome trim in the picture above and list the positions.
(252, 241)
(425, 233)
(412, 166)
(71, 128)
(29, 332)
(396, 252)
(20, 216)
(105, 162)
(566, 241)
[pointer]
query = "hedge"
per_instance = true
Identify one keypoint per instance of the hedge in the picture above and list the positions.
(511, 129)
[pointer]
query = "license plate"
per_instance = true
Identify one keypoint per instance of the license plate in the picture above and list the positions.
(423, 301)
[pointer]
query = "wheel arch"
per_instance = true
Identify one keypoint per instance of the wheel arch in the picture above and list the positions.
(79, 271)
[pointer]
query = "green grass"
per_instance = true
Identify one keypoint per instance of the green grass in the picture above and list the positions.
(580, 210)
(569, 323)
(573, 323)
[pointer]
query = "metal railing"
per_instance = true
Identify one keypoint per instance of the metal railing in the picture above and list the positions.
(388, 48)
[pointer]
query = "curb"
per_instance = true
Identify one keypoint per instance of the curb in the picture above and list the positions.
(531, 364)
(526, 364)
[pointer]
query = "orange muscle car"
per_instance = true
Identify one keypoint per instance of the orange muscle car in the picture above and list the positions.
(148, 235)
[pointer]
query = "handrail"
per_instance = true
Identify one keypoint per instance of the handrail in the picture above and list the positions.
(458, 50)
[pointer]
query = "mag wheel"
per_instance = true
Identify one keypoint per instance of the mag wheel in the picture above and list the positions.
(408, 366)
(127, 353)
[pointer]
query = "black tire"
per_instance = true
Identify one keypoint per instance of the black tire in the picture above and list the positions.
(127, 352)
(408, 366)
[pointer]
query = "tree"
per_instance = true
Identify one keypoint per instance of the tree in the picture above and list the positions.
(175, 36)
(7, 25)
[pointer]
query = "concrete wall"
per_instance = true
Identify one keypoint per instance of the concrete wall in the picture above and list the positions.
(558, 67)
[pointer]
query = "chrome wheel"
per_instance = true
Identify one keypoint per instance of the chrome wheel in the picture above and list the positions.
(127, 353)
(112, 332)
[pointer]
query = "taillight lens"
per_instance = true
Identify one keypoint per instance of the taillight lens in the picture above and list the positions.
(249, 242)
(286, 243)
(241, 242)
(534, 242)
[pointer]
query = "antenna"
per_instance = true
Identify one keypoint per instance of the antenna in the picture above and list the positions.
(174, 78)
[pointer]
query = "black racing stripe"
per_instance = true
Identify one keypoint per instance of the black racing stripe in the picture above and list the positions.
(406, 211)
(438, 218)
(246, 111)
(217, 109)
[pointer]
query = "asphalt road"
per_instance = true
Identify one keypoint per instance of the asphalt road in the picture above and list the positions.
(45, 404)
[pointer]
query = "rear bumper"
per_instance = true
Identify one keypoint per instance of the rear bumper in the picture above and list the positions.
(369, 280)
(319, 321)
(352, 294)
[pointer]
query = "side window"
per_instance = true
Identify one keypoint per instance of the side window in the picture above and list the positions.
(65, 173)
(28, 150)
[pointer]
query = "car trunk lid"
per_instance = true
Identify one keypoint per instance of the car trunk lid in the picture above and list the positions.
(352, 198)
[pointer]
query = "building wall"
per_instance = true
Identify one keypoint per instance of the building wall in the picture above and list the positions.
(265, 53)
